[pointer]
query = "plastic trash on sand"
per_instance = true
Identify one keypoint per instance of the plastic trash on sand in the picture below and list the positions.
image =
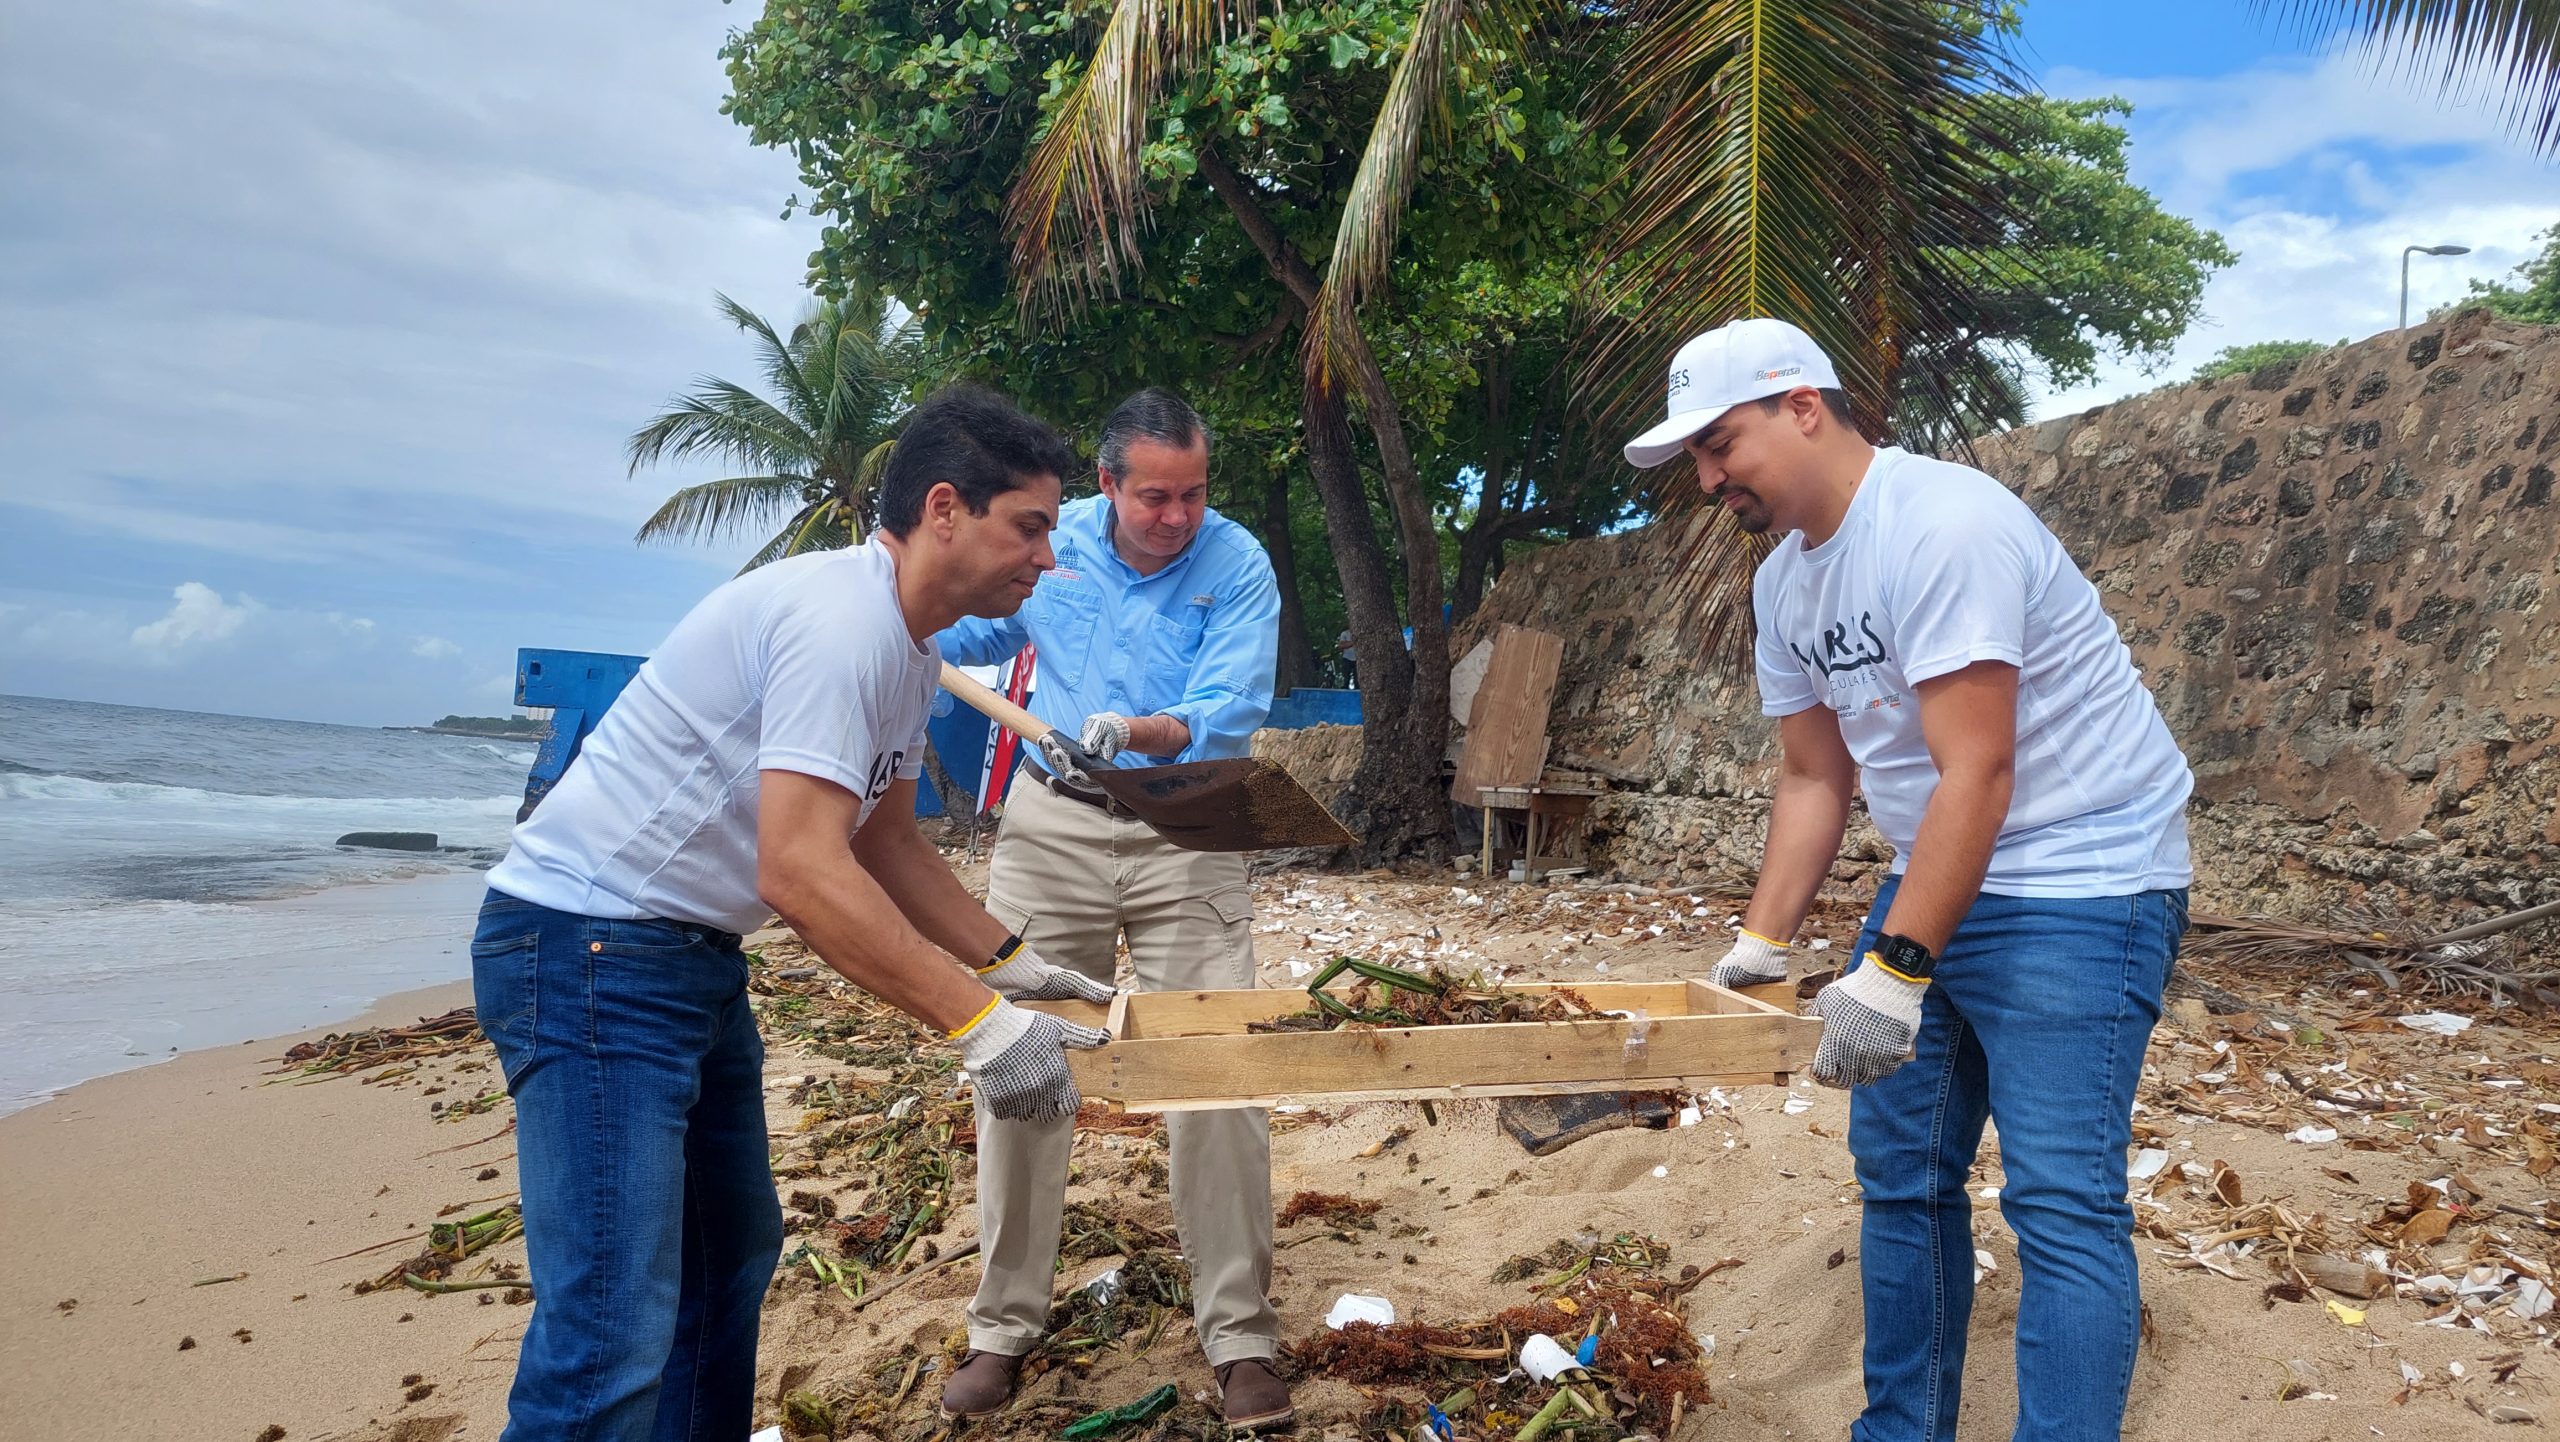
(2437, 1023)
(1353, 1307)
(1544, 1359)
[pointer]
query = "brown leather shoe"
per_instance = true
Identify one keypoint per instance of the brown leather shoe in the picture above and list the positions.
(982, 1383)
(1255, 1397)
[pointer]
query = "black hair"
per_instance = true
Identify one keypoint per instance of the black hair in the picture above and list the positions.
(1834, 401)
(981, 443)
(1154, 414)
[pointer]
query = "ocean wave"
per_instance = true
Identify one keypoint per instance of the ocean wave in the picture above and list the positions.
(23, 785)
(518, 755)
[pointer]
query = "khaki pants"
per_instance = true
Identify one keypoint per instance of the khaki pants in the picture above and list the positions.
(1069, 879)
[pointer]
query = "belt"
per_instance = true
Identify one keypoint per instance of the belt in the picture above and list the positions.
(1097, 799)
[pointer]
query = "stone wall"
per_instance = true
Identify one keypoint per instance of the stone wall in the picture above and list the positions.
(2335, 574)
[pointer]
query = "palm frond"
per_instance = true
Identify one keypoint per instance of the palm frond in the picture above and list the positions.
(1414, 113)
(2518, 40)
(819, 526)
(778, 358)
(723, 418)
(704, 512)
(1821, 161)
(1079, 208)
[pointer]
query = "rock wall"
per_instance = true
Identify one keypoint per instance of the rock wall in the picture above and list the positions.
(2335, 574)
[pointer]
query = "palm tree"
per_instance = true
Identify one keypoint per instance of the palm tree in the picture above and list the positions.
(813, 452)
(1824, 161)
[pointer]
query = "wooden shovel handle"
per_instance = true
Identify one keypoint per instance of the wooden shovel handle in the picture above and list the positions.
(992, 706)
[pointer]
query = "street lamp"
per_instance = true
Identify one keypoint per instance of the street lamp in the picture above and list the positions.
(2405, 253)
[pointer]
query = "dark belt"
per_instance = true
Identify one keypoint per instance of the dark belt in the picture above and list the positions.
(1096, 799)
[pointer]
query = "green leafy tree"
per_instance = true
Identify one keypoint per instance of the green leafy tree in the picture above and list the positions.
(812, 449)
(2534, 294)
(2241, 360)
(1377, 234)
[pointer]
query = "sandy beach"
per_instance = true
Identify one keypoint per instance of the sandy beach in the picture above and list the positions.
(128, 1192)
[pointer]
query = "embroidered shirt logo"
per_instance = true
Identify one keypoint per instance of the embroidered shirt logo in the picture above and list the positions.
(1204, 600)
(1063, 574)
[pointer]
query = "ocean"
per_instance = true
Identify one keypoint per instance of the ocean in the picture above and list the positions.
(170, 880)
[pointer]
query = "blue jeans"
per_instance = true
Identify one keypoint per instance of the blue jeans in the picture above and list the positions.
(2037, 1018)
(649, 1209)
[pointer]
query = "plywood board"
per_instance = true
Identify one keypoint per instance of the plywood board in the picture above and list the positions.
(1507, 724)
(1186, 1051)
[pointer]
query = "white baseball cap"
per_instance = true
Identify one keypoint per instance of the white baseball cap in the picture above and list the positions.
(1721, 369)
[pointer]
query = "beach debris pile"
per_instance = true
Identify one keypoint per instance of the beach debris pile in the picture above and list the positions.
(346, 1053)
(1602, 1350)
(2484, 959)
(440, 1268)
(1386, 995)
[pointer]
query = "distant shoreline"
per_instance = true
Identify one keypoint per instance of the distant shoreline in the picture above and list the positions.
(485, 733)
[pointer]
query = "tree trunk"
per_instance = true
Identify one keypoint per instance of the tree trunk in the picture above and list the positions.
(1298, 663)
(1396, 802)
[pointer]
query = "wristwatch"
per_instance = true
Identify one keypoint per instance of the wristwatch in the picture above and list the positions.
(1903, 957)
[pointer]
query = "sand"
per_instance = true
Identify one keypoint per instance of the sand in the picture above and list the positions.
(124, 1191)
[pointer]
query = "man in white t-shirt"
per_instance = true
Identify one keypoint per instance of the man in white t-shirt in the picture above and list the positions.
(1922, 637)
(764, 760)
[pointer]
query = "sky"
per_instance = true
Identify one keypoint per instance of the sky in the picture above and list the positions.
(322, 322)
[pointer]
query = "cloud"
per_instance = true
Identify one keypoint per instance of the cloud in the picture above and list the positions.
(435, 648)
(199, 618)
(2318, 171)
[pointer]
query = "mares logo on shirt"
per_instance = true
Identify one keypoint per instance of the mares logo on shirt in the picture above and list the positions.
(884, 770)
(1840, 654)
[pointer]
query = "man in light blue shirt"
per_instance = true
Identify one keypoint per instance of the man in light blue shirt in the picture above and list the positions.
(1156, 636)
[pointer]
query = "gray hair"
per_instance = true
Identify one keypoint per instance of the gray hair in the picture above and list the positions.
(1154, 414)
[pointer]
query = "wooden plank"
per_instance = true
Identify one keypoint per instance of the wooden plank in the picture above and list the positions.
(1507, 725)
(1144, 1073)
(1441, 1094)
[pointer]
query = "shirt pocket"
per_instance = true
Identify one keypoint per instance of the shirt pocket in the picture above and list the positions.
(1174, 646)
(1063, 617)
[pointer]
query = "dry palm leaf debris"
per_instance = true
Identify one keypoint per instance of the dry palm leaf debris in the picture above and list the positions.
(344, 1053)
(1643, 1376)
(2482, 959)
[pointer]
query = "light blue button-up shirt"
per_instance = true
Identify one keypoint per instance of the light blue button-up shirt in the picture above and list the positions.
(1198, 640)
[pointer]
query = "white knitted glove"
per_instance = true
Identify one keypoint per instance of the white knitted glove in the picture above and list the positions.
(1019, 1059)
(1020, 974)
(1754, 961)
(1870, 1018)
(1106, 734)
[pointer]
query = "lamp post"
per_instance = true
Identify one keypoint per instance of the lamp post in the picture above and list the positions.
(2405, 253)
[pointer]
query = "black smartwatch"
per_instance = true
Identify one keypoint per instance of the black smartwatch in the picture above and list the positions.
(1904, 958)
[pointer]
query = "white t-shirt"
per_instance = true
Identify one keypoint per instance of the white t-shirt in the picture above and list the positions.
(803, 665)
(1938, 566)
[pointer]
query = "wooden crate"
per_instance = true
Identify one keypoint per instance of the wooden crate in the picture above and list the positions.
(1177, 1051)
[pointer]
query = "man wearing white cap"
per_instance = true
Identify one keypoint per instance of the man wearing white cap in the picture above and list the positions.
(1922, 637)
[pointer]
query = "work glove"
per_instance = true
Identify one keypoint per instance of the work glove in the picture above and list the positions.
(1068, 760)
(1870, 1019)
(1019, 974)
(1754, 961)
(1019, 1059)
(1106, 734)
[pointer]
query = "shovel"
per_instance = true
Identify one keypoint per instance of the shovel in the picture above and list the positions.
(1244, 804)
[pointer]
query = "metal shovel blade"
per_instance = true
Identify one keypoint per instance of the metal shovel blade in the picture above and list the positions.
(1243, 804)
(1247, 803)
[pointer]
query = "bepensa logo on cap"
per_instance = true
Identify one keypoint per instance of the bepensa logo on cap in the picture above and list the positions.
(1776, 371)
